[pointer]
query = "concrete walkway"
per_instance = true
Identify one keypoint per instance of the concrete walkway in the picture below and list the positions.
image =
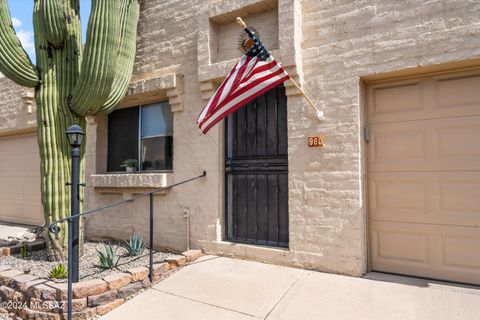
(216, 288)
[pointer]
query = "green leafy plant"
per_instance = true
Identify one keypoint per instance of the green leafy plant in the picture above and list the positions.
(58, 272)
(24, 251)
(129, 163)
(135, 246)
(108, 257)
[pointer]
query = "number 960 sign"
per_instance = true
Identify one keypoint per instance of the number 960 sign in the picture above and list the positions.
(316, 141)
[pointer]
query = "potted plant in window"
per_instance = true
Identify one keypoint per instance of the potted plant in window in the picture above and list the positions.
(130, 165)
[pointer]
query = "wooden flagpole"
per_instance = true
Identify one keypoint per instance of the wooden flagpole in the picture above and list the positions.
(241, 23)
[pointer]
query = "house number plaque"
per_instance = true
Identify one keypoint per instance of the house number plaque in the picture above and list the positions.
(316, 141)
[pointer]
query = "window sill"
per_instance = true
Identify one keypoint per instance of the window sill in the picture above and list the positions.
(130, 183)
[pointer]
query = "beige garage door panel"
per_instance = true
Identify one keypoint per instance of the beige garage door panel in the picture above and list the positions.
(433, 251)
(424, 176)
(20, 199)
(441, 96)
(447, 198)
(425, 145)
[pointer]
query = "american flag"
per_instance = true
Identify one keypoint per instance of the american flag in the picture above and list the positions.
(255, 73)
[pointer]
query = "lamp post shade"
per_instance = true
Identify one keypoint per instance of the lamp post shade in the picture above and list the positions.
(75, 135)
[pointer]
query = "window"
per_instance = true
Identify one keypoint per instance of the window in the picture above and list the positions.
(144, 133)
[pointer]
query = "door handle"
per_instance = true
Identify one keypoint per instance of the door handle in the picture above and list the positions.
(228, 169)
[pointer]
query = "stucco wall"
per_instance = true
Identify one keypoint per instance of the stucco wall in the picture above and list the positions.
(342, 41)
(166, 45)
(17, 110)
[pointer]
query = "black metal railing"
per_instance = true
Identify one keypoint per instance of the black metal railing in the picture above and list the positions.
(55, 228)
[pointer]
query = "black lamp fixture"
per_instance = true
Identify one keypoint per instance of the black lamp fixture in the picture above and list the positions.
(75, 135)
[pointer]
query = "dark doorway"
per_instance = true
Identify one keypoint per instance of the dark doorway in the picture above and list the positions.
(257, 171)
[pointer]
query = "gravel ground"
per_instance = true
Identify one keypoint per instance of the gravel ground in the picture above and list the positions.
(39, 265)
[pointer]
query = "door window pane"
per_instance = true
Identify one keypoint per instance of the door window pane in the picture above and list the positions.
(122, 137)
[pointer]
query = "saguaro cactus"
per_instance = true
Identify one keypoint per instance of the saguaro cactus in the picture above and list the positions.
(71, 82)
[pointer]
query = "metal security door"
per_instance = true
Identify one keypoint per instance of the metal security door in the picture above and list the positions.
(257, 171)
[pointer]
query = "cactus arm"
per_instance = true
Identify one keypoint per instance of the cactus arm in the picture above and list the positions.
(98, 65)
(14, 61)
(53, 21)
(126, 55)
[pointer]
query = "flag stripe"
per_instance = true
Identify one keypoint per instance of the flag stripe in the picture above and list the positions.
(250, 78)
(241, 100)
(257, 81)
(214, 120)
(214, 99)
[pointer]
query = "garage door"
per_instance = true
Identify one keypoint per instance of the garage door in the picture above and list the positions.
(20, 200)
(424, 176)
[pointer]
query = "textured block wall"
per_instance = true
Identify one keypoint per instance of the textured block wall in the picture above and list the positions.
(14, 107)
(342, 41)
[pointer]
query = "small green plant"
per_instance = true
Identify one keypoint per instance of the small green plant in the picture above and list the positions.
(129, 163)
(135, 246)
(24, 251)
(58, 271)
(108, 257)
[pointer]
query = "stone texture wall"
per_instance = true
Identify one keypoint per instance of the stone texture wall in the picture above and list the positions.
(344, 41)
(17, 110)
(166, 45)
(341, 42)
(331, 47)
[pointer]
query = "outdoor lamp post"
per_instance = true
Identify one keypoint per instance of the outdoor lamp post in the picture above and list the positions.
(75, 137)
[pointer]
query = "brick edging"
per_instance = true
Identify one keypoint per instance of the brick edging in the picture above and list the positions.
(35, 298)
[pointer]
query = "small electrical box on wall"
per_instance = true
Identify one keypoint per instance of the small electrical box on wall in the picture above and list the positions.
(316, 141)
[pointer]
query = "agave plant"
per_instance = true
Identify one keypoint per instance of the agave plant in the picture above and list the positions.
(135, 246)
(108, 257)
(58, 271)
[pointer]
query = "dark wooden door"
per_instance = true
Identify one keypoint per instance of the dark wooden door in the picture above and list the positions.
(257, 171)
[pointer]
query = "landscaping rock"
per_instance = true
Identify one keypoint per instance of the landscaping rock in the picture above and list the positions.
(102, 292)
(20, 282)
(160, 268)
(4, 268)
(192, 255)
(176, 261)
(101, 310)
(117, 280)
(139, 273)
(61, 289)
(6, 277)
(29, 314)
(99, 299)
(130, 289)
(15, 248)
(38, 264)
(37, 304)
(89, 288)
(45, 291)
(7, 294)
(86, 314)
(77, 305)
(36, 245)
(146, 283)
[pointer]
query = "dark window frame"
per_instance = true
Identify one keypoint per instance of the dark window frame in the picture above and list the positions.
(139, 141)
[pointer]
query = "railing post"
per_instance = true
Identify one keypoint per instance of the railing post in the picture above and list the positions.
(70, 268)
(151, 238)
(75, 210)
